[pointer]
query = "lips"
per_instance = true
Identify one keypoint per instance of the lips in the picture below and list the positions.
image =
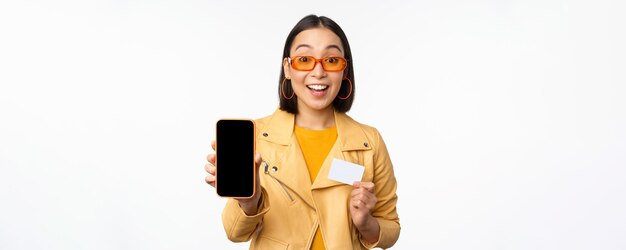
(317, 87)
(318, 90)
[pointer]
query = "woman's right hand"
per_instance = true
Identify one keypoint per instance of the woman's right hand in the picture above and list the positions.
(249, 205)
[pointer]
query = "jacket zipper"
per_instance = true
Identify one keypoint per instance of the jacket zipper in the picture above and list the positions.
(282, 185)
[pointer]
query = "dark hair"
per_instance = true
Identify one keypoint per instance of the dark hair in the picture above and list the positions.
(310, 22)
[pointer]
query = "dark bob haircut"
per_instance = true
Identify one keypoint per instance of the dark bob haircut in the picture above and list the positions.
(310, 22)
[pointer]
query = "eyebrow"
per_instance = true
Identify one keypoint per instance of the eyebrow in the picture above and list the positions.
(327, 47)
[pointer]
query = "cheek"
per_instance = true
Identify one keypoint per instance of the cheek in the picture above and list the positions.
(297, 79)
(337, 80)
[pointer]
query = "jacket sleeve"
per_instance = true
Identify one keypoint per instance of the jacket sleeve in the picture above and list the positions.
(385, 186)
(238, 226)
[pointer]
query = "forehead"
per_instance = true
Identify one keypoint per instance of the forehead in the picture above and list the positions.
(317, 39)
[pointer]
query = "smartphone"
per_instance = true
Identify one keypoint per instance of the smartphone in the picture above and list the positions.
(235, 149)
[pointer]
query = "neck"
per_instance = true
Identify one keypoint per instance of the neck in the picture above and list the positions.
(315, 119)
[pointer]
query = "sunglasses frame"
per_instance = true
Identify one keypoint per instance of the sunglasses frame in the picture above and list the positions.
(345, 65)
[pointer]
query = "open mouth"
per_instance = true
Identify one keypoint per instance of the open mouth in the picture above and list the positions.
(317, 87)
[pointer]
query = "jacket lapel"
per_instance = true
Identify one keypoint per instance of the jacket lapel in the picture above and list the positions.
(289, 160)
(350, 137)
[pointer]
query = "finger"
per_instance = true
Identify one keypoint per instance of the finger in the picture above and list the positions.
(257, 159)
(367, 198)
(357, 201)
(209, 168)
(354, 203)
(369, 202)
(364, 197)
(369, 186)
(210, 179)
(356, 192)
(372, 203)
(359, 204)
(361, 192)
(356, 184)
(211, 158)
(213, 144)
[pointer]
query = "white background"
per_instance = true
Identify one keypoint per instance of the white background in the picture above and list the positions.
(505, 120)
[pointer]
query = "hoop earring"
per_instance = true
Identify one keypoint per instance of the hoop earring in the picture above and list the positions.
(349, 93)
(282, 90)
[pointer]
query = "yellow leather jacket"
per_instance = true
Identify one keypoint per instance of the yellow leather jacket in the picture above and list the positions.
(292, 207)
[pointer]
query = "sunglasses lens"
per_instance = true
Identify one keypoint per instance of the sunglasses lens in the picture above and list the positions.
(328, 63)
(334, 63)
(303, 63)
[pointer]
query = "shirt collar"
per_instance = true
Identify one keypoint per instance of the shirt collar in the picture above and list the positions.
(279, 129)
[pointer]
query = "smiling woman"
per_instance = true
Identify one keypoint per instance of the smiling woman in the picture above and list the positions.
(300, 206)
(313, 38)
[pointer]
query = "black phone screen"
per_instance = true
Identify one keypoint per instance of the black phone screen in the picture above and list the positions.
(235, 158)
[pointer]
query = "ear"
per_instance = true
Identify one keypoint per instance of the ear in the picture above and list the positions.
(286, 68)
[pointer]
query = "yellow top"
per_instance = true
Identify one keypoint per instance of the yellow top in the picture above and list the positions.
(315, 146)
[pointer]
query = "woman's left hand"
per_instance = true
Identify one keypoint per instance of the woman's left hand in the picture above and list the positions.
(362, 202)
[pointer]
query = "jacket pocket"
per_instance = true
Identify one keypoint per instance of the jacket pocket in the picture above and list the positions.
(264, 242)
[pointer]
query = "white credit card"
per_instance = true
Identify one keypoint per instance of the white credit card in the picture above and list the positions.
(346, 172)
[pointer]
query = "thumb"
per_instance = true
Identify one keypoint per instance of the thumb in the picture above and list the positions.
(257, 159)
(356, 184)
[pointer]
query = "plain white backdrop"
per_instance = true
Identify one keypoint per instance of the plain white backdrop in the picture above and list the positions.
(505, 120)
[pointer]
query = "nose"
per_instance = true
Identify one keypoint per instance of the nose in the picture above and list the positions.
(318, 70)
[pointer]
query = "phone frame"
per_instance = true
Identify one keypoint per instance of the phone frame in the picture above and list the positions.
(254, 176)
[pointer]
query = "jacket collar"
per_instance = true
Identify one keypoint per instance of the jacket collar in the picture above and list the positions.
(279, 129)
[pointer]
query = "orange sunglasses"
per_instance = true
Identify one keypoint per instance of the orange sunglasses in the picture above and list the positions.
(329, 63)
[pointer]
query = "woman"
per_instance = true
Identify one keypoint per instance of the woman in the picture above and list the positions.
(298, 206)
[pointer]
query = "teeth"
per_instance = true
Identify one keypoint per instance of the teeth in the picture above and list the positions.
(317, 87)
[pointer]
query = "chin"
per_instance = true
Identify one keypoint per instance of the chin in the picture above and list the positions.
(320, 106)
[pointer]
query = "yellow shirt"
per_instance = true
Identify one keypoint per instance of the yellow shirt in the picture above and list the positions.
(315, 146)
